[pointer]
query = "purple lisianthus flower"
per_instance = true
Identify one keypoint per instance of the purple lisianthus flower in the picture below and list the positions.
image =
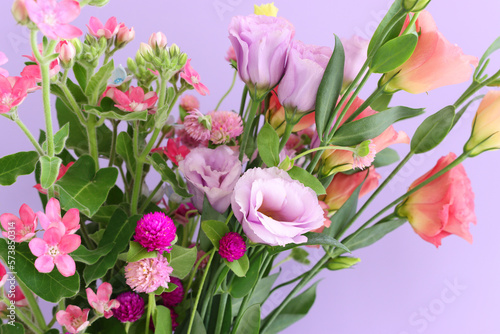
(273, 208)
(261, 45)
(304, 70)
(356, 49)
(211, 172)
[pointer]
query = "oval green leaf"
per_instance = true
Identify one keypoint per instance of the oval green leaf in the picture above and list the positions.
(433, 130)
(394, 53)
(14, 165)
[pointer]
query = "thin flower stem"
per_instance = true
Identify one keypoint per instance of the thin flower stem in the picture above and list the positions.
(286, 135)
(315, 159)
(72, 102)
(248, 125)
(221, 314)
(92, 139)
(243, 100)
(35, 309)
(151, 307)
(197, 300)
(150, 197)
(323, 148)
(229, 90)
(28, 323)
(412, 23)
(193, 273)
(112, 154)
(209, 295)
(28, 134)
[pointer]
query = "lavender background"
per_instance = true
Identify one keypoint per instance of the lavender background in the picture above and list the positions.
(403, 285)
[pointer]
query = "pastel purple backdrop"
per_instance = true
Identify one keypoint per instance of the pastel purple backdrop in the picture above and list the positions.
(403, 285)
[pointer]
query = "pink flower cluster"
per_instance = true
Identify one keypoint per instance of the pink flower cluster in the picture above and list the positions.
(220, 127)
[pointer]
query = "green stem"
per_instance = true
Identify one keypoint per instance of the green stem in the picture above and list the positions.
(113, 143)
(89, 243)
(286, 135)
(412, 23)
(243, 100)
(322, 148)
(193, 273)
(222, 309)
(248, 126)
(30, 136)
(197, 300)
(228, 91)
(28, 322)
(315, 159)
(127, 326)
(367, 103)
(35, 309)
(92, 139)
(151, 307)
(209, 295)
(72, 102)
(150, 197)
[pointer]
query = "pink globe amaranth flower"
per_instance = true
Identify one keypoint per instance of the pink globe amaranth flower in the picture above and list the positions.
(13, 91)
(226, 125)
(62, 170)
(54, 249)
(189, 103)
(3, 275)
(273, 208)
(134, 99)
(444, 206)
(158, 40)
(67, 52)
(3, 61)
(155, 232)
(74, 319)
(107, 30)
(212, 173)
(339, 160)
(485, 128)
(101, 302)
(304, 70)
(435, 63)
(198, 126)
(193, 78)
(261, 45)
(173, 298)
(355, 49)
(52, 17)
(343, 185)
(68, 224)
(131, 307)
(232, 247)
(19, 12)
(147, 275)
(24, 227)
(230, 54)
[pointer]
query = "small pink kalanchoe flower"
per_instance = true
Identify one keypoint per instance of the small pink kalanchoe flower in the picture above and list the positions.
(52, 17)
(193, 78)
(24, 227)
(101, 302)
(68, 224)
(34, 71)
(125, 35)
(13, 91)
(67, 52)
(53, 249)
(107, 30)
(62, 170)
(3, 61)
(74, 319)
(134, 99)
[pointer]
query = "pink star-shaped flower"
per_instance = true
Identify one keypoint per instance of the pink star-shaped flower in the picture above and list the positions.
(193, 78)
(52, 17)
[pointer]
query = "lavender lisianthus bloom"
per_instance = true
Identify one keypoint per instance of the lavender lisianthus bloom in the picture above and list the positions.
(261, 45)
(356, 49)
(273, 208)
(304, 70)
(211, 172)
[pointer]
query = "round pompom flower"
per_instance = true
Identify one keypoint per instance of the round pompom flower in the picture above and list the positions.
(232, 246)
(173, 298)
(131, 307)
(155, 231)
(147, 275)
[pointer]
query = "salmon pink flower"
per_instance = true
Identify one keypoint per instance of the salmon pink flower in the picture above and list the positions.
(124, 36)
(276, 116)
(62, 170)
(20, 12)
(435, 63)
(52, 17)
(444, 206)
(101, 302)
(74, 319)
(230, 54)
(24, 226)
(189, 102)
(68, 224)
(197, 125)
(226, 125)
(13, 91)
(193, 78)
(134, 99)
(3, 61)
(53, 249)
(107, 30)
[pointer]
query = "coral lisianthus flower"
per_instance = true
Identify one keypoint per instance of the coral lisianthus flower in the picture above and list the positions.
(107, 30)
(193, 78)
(73, 318)
(13, 91)
(101, 302)
(52, 17)
(24, 226)
(147, 275)
(155, 232)
(134, 99)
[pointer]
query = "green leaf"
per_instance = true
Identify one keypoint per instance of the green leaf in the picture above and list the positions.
(307, 179)
(106, 326)
(295, 310)
(21, 163)
(198, 326)
(394, 53)
(118, 115)
(82, 188)
(182, 260)
(250, 321)
(168, 175)
(162, 320)
(77, 92)
(98, 82)
(433, 130)
(15, 328)
(268, 144)
(120, 229)
(82, 254)
(330, 88)
(261, 292)
(492, 48)
(355, 132)
(214, 230)
(341, 262)
(51, 287)
(240, 266)
(322, 239)
(103, 215)
(393, 15)
(50, 170)
(220, 279)
(59, 139)
(80, 75)
(241, 286)
(381, 103)
(171, 287)
(300, 255)
(125, 148)
(385, 157)
(136, 252)
(373, 234)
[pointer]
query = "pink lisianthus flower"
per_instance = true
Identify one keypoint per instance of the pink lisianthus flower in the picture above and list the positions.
(52, 17)
(3, 61)
(107, 30)
(13, 91)
(68, 224)
(443, 207)
(134, 99)
(53, 249)
(193, 78)
(101, 302)
(74, 319)
(24, 226)
(62, 170)
(356, 49)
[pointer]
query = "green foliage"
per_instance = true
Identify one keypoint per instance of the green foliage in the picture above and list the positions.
(240, 266)
(168, 175)
(394, 53)
(307, 179)
(241, 286)
(14, 165)
(49, 170)
(214, 230)
(182, 260)
(433, 130)
(250, 321)
(268, 143)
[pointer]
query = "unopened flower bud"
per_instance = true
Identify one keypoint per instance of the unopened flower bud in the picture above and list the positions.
(20, 12)
(78, 45)
(146, 51)
(415, 5)
(286, 164)
(158, 40)
(132, 66)
(139, 59)
(98, 3)
(124, 36)
(342, 262)
(174, 50)
(67, 53)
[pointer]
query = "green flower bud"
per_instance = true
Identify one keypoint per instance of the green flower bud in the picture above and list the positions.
(341, 262)
(78, 46)
(415, 5)
(98, 3)
(139, 59)
(132, 66)
(286, 164)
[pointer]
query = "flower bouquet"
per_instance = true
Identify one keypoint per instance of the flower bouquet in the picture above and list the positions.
(240, 192)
